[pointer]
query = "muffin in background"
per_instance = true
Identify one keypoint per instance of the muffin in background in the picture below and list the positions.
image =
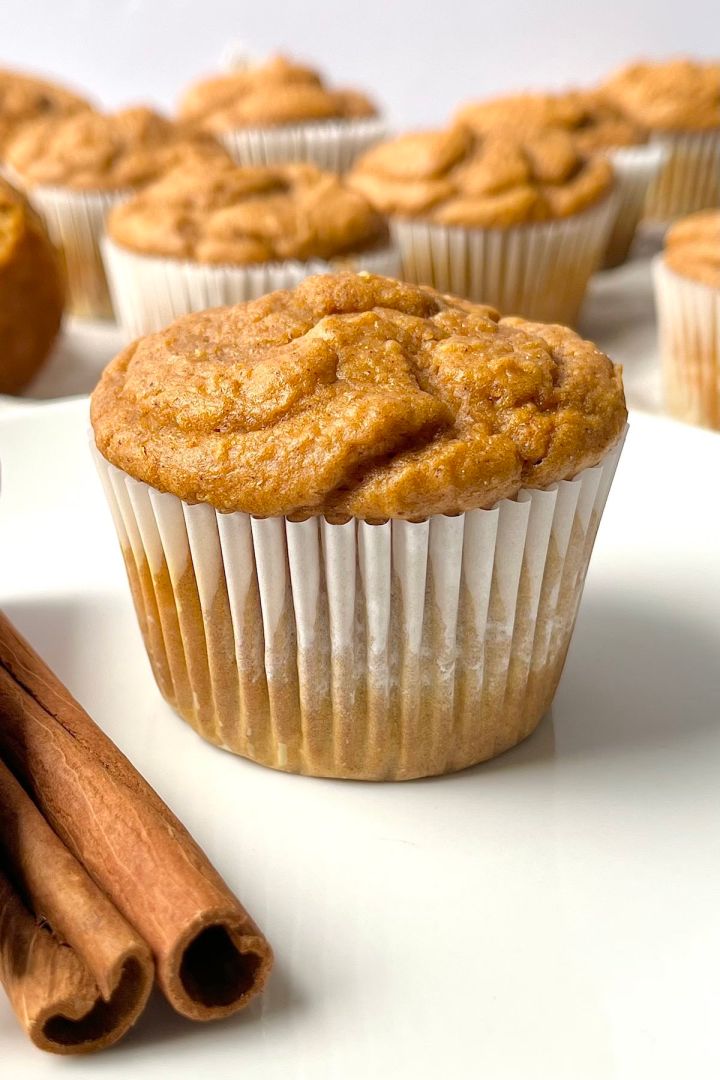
(356, 519)
(678, 101)
(24, 98)
(31, 291)
(687, 296)
(74, 168)
(279, 111)
(222, 233)
(596, 126)
(518, 222)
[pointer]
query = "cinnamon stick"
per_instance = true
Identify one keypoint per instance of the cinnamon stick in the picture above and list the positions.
(210, 957)
(77, 975)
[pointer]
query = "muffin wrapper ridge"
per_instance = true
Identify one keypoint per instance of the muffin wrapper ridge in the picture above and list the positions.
(330, 144)
(636, 167)
(354, 650)
(689, 330)
(76, 223)
(690, 179)
(148, 291)
(540, 270)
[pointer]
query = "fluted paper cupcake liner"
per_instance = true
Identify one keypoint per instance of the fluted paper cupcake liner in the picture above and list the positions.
(330, 144)
(360, 651)
(75, 221)
(148, 292)
(635, 167)
(690, 178)
(689, 328)
(540, 270)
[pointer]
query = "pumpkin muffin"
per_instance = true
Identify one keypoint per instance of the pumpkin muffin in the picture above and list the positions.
(342, 521)
(223, 233)
(75, 168)
(279, 111)
(31, 291)
(687, 294)
(517, 221)
(24, 98)
(678, 101)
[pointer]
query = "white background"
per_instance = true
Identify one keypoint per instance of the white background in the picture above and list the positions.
(420, 59)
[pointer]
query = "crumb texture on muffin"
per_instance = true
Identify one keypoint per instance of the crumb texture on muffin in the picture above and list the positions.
(692, 247)
(272, 94)
(356, 395)
(24, 98)
(677, 95)
(453, 177)
(229, 214)
(107, 151)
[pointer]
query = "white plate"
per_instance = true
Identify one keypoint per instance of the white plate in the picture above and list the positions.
(554, 914)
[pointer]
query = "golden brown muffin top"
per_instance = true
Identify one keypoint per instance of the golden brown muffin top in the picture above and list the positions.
(107, 151)
(593, 120)
(453, 177)
(225, 213)
(692, 247)
(356, 395)
(677, 95)
(24, 98)
(269, 95)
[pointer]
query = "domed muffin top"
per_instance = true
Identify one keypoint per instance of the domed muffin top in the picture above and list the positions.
(356, 395)
(24, 98)
(268, 95)
(692, 247)
(677, 95)
(594, 122)
(106, 151)
(453, 177)
(225, 213)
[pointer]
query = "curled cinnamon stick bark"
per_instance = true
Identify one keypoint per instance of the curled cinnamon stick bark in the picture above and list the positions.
(210, 957)
(77, 975)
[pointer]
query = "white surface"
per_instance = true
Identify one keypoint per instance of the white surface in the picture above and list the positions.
(553, 914)
(420, 59)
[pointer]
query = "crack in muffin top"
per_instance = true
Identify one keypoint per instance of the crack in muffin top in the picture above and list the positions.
(692, 247)
(24, 98)
(229, 214)
(678, 95)
(107, 151)
(360, 396)
(272, 94)
(453, 177)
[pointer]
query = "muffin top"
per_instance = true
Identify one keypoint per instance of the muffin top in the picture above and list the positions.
(356, 395)
(24, 98)
(692, 247)
(99, 151)
(268, 95)
(592, 119)
(678, 95)
(454, 177)
(225, 213)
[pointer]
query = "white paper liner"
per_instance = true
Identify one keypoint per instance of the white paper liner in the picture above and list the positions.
(689, 329)
(540, 270)
(361, 651)
(690, 179)
(148, 292)
(330, 144)
(635, 167)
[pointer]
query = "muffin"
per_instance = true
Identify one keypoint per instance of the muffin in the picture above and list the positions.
(687, 295)
(679, 103)
(278, 111)
(76, 167)
(518, 222)
(356, 518)
(597, 126)
(31, 291)
(24, 98)
(223, 233)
